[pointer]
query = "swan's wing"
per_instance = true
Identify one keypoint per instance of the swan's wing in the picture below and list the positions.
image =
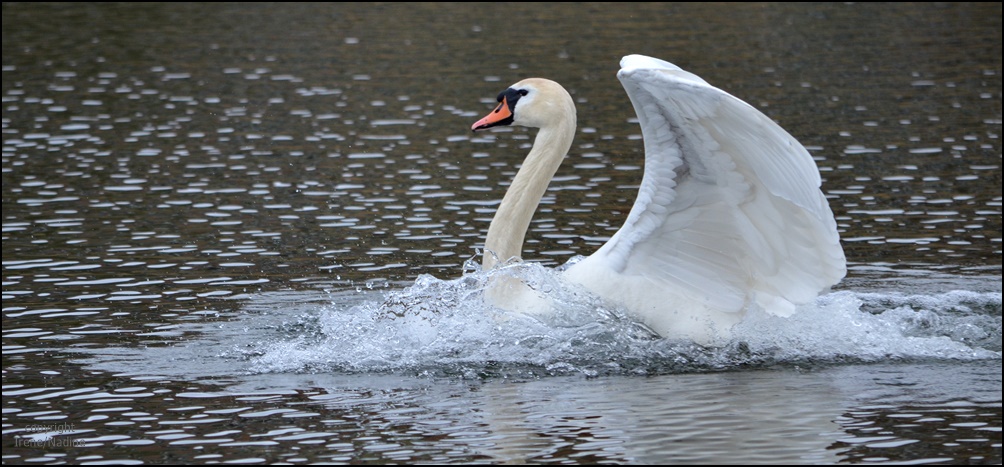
(729, 208)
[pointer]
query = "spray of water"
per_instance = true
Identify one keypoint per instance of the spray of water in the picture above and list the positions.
(445, 327)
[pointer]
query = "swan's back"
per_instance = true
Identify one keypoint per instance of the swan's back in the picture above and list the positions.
(729, 213)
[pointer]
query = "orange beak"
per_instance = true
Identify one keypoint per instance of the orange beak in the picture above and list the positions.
(494, 118)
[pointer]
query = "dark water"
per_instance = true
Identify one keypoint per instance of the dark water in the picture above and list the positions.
(209, 212)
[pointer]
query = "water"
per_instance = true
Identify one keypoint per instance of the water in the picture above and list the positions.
(238, 233)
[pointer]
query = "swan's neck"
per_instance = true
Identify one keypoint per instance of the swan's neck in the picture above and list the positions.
(512, 219)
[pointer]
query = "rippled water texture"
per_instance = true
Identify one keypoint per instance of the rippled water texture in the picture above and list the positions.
(242, 233)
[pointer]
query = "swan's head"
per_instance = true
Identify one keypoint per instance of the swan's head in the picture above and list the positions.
(533, 102)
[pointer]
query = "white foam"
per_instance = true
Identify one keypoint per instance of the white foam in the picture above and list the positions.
(444, 327)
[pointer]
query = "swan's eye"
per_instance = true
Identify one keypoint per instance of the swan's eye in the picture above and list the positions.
(512, 93)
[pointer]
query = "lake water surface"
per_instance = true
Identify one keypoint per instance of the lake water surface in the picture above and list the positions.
(242, 233)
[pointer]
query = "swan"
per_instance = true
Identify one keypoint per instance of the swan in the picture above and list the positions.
(729, 214)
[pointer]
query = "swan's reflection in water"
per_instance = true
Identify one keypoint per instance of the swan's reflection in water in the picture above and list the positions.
(715, 419)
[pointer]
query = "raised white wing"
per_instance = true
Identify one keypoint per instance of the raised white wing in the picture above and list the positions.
(729, 210)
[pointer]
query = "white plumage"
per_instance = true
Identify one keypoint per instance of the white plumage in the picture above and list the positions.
(729, 213)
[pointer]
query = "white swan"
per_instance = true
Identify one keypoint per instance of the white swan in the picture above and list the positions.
(729, 214)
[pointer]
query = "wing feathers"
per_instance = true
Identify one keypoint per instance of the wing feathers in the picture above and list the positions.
(729, 209)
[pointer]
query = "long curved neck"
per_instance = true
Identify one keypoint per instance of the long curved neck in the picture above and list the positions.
(512, 219)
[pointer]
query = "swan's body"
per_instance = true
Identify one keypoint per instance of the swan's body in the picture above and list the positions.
(729, 214)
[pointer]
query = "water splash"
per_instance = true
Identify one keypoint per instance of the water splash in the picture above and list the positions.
(444, 327)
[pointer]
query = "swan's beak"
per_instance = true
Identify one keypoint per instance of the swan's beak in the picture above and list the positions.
(500, 116)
